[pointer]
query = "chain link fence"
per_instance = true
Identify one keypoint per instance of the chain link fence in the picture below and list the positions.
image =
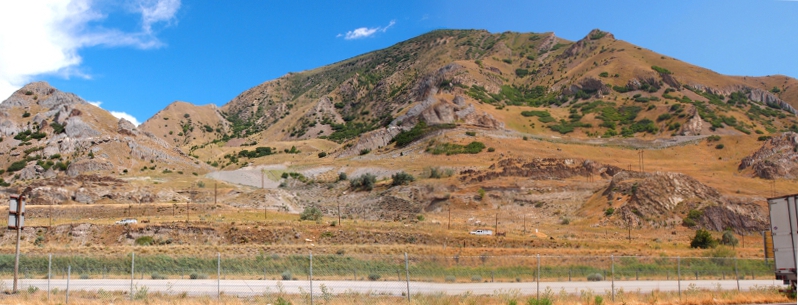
(309, 279)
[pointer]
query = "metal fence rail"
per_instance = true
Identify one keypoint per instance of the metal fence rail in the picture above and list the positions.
(305, 279)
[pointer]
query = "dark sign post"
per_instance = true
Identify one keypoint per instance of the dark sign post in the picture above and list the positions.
(16, 219)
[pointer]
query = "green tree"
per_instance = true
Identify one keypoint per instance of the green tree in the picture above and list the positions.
(703, 239)
(728, 238)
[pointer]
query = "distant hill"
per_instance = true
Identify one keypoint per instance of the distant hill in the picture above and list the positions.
(534, 83)
(46, 133)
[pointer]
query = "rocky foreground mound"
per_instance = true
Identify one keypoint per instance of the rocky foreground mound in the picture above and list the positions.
(776, 159)
(665, 199)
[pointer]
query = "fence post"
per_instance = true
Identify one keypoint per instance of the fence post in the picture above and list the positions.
(49, 274)
(311, 277)
(407, 276)
(537, 282)
(569, 275)
(218, 275)
(736, 274)
(69, 273)
(132, 272)
(612, 271)
(679, 275)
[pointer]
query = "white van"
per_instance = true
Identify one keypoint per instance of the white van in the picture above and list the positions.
(482, 232)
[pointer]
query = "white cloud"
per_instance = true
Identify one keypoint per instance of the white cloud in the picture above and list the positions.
(365, 32)
(123, 115)
(44, 36)
(117, 114)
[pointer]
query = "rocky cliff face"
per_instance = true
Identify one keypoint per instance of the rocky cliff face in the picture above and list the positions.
(663, 199)
(776, 159)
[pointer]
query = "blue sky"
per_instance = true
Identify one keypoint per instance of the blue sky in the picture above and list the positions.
(135, 57)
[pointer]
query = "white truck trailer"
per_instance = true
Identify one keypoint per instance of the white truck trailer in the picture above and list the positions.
(784, 230)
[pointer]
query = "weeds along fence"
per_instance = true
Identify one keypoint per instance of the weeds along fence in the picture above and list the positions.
(266, 277)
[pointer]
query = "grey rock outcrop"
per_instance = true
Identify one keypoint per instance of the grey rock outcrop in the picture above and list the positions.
(693, 126)
(776, 159)
(88, 165)
(127, 128)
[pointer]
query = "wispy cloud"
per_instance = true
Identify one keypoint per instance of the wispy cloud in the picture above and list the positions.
(366, 32)
(117, 114)
(44, 37)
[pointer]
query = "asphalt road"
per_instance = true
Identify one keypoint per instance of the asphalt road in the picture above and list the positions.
(259, 287)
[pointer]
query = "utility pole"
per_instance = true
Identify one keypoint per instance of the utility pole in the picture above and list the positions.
(629, 226)
(190, 196)
(640, 160)
(497, 224)
(449, 224)
(524, 224)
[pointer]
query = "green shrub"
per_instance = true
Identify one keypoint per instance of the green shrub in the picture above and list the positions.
(719, 146)
(713, 138)
(322, 154)
(365, 151)
(521, 72)
(84, 276)
(604, 74)
(471, 133)
(763, 138)
(402, 178)
(476, 278)
(158, 276)
(364, 182)
(144, 241)
(310, 213)
(595, 277)
(609, 211)
(16, 166)
(661, 70)
(453, 149)
(703, 239)
(341, 176)
(450, 279)
(598, 300)
(198, 276)
(374, 277)
(728, 238)
(287, 276)
(491, 149)
(542, 301)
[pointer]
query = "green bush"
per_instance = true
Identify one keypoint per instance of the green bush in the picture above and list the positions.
(719, 146)
(604, 74)
(609, 211)
(471, 133)
(322, 154)
(16, 166)
(491, 149)
(542, 301)
(476, 278)
(158, 276)
(402, 178)
(703, 239)
(341, 176)
(728, 238)
(454, 149)
(287, 276)
(595, 277)
(310, 213)
(198, 276)
(365, 151)
(144, 241)
(713, 138)
(450, 279)
(661, 70)
(84, 276)
(374, 277)
(364, 182)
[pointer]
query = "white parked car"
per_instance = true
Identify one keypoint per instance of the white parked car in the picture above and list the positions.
(482, 232)
(127, 221)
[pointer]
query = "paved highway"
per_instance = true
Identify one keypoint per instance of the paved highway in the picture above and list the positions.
(258, 287)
